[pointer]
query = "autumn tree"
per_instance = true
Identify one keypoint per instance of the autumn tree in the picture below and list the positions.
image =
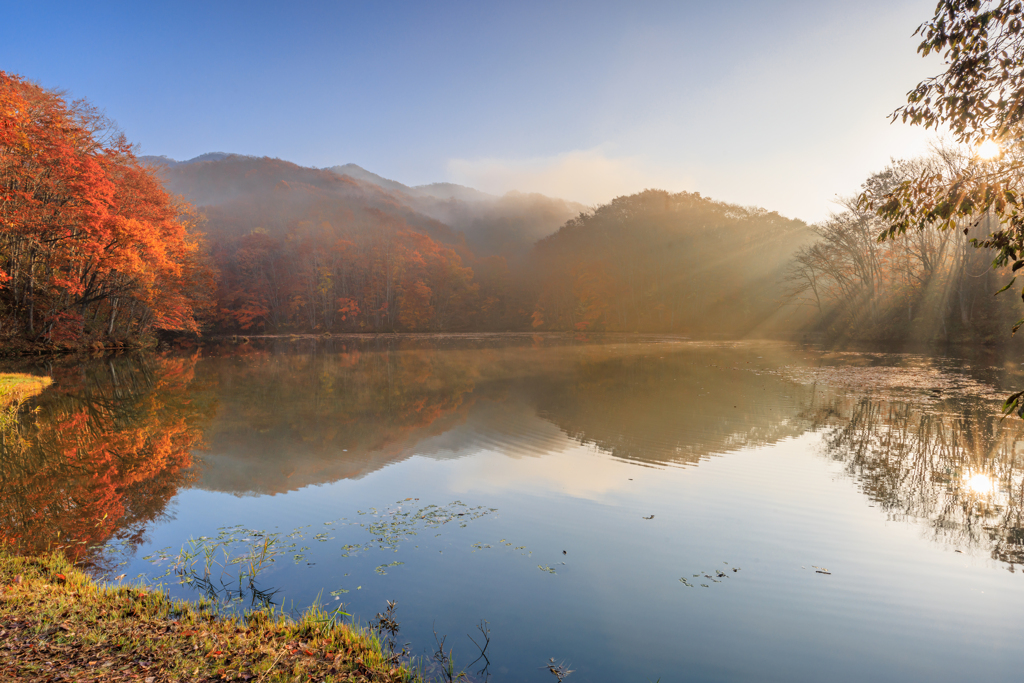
(929, 285)
(90, 243)
(338, 276)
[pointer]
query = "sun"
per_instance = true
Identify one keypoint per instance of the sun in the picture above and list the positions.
(989, 149)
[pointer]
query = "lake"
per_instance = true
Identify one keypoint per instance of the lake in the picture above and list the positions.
(632, 508)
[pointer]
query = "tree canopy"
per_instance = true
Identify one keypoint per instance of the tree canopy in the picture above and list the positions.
(979, 98)
(658, 261)
(980, 95)
(90, 243)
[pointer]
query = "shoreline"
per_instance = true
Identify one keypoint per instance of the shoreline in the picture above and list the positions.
(57, 623)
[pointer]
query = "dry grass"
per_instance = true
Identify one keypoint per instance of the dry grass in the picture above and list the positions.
(15, 387)
(57, 624)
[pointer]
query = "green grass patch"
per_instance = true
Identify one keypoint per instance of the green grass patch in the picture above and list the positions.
(57, 623)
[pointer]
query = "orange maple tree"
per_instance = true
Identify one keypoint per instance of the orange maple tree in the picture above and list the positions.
(90, 243)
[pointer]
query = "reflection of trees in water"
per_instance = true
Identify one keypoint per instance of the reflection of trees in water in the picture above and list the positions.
(101, 455)
(289, 419)
(955, 464)
(311, 411)
(352, 398)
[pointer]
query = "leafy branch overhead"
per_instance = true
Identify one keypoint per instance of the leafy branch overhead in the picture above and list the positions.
(980, 94)
(979, 98)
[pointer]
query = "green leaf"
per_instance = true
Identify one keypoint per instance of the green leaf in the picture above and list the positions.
(1014, 404)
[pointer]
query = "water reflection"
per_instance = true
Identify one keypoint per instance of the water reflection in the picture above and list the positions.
(953, 464)
(307, 416)
(101, 453)
(675, 406)
(317, 413)
(610, 471)
(115, 439)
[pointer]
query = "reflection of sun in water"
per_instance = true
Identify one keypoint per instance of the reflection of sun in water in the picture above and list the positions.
(980, 483)
(989, 149)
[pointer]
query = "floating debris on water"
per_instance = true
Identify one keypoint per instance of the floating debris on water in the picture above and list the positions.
(240, 553)
(915, 379)
(715, 576)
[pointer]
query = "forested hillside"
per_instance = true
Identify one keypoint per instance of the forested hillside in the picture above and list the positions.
(657, 261)
(506, 226)
(303, 249)
(101, 247)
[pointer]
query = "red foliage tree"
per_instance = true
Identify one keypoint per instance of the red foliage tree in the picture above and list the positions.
(339, 277)
(90, 243)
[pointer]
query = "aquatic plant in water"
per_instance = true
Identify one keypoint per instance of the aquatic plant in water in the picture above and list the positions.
(225, 568)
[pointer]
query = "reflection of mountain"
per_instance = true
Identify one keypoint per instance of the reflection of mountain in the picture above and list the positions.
(665, 407)
(114, 440)
(952, 463)
(346, 408)
(107, 449)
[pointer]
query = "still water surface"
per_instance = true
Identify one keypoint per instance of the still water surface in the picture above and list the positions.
(633, 508)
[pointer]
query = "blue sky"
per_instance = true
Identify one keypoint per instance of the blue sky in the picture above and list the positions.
(778, 104)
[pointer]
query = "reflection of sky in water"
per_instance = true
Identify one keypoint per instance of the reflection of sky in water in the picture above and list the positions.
(578, 454)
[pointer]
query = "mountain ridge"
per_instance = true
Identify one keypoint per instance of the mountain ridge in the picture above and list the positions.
(506, 225)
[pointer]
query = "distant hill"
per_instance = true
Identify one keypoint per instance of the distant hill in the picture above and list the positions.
(239, 193)
(167, 161)
(508, 225)
(437, 190)
(344, 249)
(360, 173)
(453, 191)
(657, 261)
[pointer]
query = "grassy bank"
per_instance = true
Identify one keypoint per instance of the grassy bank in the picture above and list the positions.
(57, 624)
(15, 387)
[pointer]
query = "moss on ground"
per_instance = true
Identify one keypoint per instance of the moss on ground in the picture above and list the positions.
(58, 624)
